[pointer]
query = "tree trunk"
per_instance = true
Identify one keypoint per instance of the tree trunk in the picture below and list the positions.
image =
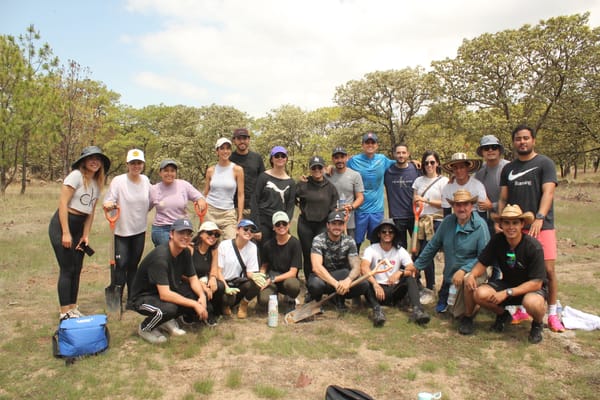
(24, 164)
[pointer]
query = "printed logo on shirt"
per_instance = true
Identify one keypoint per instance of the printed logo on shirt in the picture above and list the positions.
(512, 177)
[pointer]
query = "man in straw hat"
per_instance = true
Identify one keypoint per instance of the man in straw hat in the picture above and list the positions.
(460, 166)
(462, 236)
(521, 260)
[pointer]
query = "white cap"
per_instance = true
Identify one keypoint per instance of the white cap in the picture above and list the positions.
(135, 154)
(221, 142)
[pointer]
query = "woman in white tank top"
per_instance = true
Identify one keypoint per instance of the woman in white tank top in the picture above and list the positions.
(224, 181)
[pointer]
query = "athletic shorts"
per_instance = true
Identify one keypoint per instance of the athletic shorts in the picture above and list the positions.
(500, 285)
(547, 238)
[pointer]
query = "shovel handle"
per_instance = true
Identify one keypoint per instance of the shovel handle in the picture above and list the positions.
(418, 207)
(200, 213)
(112, 217)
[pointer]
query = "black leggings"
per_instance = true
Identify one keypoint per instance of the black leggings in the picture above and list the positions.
(307, 230)
(128, 252)
(70, 261)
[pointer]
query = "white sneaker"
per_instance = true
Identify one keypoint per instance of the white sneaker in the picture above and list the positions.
(75, 313)
(152, 336)
(171, 328)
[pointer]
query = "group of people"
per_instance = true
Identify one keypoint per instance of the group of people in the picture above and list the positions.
(501, 217)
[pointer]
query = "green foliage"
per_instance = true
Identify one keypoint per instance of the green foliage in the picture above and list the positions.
(233, 379)
(204, 386)
(269, 392)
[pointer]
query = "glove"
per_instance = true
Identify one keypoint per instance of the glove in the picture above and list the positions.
(231, 291)
(259, 278)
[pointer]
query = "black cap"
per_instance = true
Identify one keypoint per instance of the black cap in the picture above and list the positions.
(316, 160)
(339, 150)
(336, 216)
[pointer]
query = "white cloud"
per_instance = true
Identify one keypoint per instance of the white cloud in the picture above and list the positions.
(171, 85)
(258, 55)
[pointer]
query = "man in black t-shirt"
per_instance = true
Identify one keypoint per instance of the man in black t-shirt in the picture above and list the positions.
(521, 260)
(250, 161)
(166, 286)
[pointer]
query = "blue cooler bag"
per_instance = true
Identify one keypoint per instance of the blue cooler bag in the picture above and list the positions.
(81, 336)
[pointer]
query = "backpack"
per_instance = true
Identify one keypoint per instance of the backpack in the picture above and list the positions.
(335, 392)
(78, 337)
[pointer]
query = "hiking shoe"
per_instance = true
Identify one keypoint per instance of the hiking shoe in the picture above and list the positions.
(554, 323)
(520, 316)
(152, 336)
(227, 311)
(466, 326)
(340, 305)
(243, 309)
(441, 307)
(420, 317)
(212, 320)
(501, 320)
(75, 313)
(378, 317)
(171, 328)
(535, 335)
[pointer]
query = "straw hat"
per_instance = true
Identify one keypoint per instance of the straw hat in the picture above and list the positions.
(513, 211)
(472, 165)
(462, 196)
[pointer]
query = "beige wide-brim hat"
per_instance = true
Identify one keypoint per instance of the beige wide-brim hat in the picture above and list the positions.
(472, 165)
(208, 226)
(462, 196)
(514, 212)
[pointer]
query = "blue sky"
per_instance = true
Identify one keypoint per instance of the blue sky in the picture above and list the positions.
(258, 55)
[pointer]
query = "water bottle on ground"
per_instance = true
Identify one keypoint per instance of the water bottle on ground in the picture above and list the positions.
(452, 295)
(273, 312)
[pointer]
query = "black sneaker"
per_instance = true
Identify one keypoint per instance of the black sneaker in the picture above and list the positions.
(212, 320)
(501, 320)
(420, 317)
(466, 326)
(378, 317)
(340, 304)
(535, 335)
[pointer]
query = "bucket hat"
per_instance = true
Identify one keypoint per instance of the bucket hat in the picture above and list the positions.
(90, 151)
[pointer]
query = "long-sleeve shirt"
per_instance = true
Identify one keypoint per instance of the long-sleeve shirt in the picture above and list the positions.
(461, 244)
(316, 199)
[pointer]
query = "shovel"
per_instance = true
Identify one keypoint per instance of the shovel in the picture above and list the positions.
(418, 207)
(200, 213)
(314, 307)
(113, 292)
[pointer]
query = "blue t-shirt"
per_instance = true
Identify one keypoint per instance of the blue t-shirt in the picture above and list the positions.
(372, 171)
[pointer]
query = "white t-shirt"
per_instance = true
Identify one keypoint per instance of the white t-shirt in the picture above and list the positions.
(474, 187)
(84, 198)
(133, 200)
(396, 256)
(433, 193)
(228, 261)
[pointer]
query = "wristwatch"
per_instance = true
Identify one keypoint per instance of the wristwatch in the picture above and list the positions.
(509, 292)
(539, 216)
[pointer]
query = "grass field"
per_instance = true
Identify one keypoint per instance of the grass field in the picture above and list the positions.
(246, 359)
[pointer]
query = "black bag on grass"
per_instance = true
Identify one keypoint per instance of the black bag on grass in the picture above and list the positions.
(78, 337)
(335, 392)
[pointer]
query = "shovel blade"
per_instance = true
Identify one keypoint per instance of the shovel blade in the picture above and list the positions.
(113, 298)
(306, 311)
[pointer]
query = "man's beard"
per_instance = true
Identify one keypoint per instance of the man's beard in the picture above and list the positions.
(524, 152)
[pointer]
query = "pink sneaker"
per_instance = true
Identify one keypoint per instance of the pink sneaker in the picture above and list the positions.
(554, 324)
(520, 316)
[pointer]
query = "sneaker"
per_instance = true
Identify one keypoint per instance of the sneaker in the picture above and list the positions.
(520, 316)
(554, 323)
(501, 320)
(420, 317)
(171, 328)
(243, 309)
(152, 336)
(75, 313)
(441, 307)
(340, 304)
(212, 320)
(466, 326)
(535, 335)
(426, 296)
(378, 317)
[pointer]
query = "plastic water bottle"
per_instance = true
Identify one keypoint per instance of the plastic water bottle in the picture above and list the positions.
(273, 311)
(452, 295)
(559, 309)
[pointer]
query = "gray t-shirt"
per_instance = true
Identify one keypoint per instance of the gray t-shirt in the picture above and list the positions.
(348, 184)
(490, 177)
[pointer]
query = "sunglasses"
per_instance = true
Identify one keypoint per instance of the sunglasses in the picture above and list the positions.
(248, 229)
(387, 231)
(316, 167)
(279, 155)
(281, 223)
(213, 233)
(430, 162)
(490, 147)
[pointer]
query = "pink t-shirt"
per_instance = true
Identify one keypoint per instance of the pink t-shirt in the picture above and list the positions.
(171, 200)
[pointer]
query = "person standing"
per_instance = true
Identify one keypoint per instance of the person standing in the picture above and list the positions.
(275, 191)
(224, 182)
(398, 180)
(460, 167)
(70, 225)
(252, 164)
(131, 193)
(521, 260)
(170, 197)
(428, 190)
(529, 181)
(371, 166)
(316, 198)
(166, 286)
(349, 186)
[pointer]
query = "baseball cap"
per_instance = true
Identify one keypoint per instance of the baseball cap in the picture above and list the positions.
(369, 136)
(165, 163)
(182, 224)
(246, 222)
(135, 154)
(221, 142)
(241, 132)
(208, 226)
(278, 149)
(339, 150)
(336, 216)
(316, 160)
(280, 216)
